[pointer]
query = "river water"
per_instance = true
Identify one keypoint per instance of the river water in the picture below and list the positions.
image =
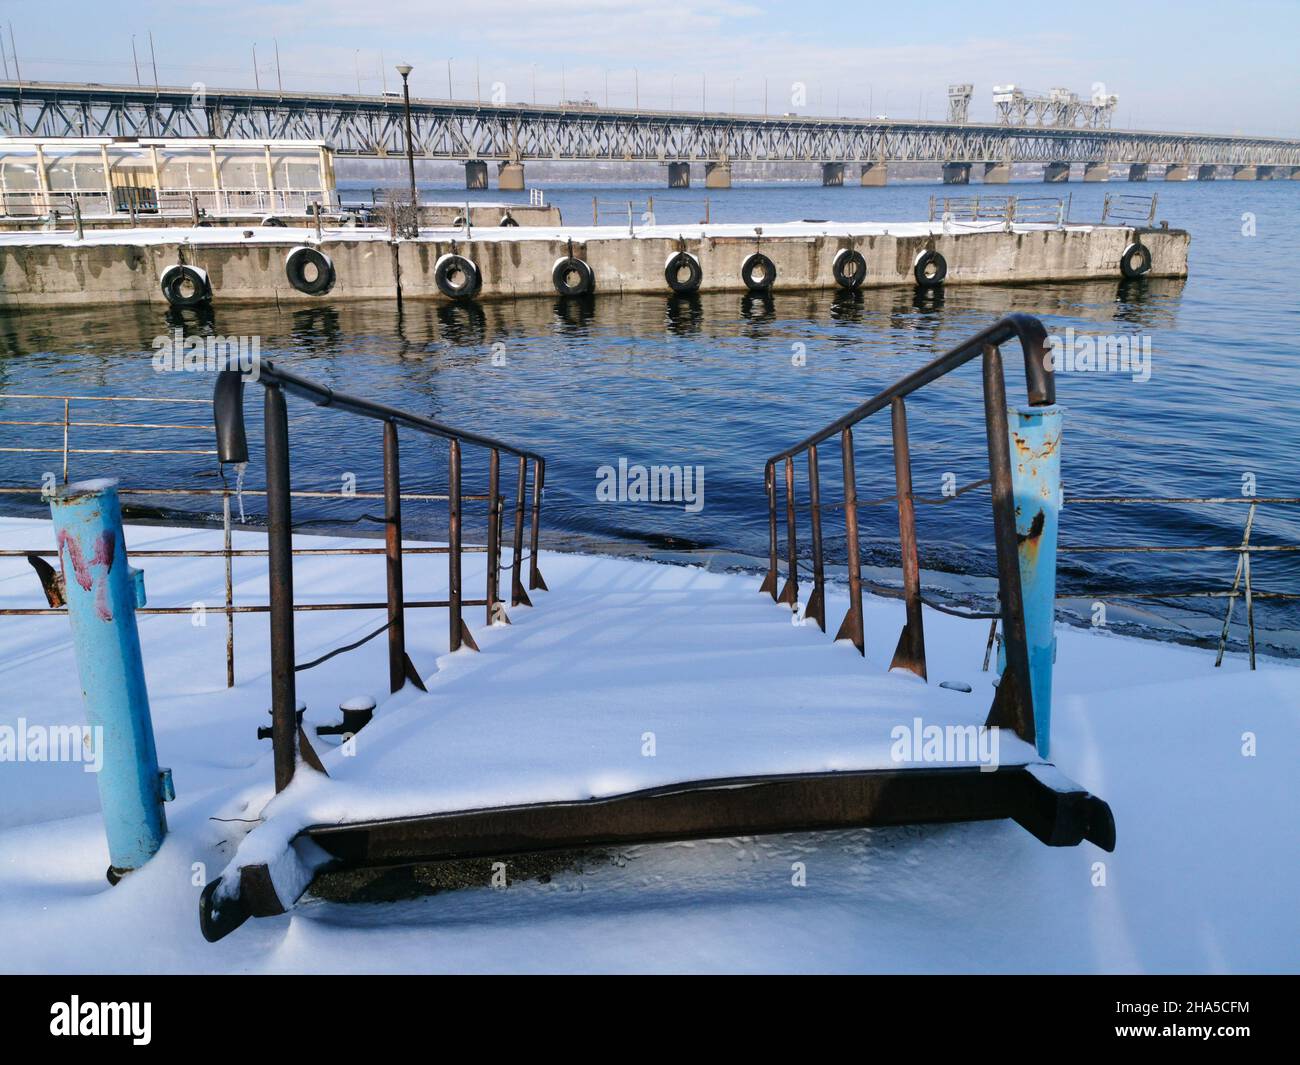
(716, 383)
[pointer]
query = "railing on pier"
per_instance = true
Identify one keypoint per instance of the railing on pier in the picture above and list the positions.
(994, 211)
(1013, 703)
(1120, 208)
(59, 417)
(681, 210)
(128, 203)
(232, 447)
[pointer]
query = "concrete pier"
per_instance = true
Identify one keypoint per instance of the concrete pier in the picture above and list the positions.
(997, 173)
(832, 175)
(112, 267)
(1177, 171)
(956, 173)
(679, 175)
(476, 174)
(510, 176)
(1137, 172)
(1096, 171)
(717, 175)
(1054, 173)
(1207, 173)
(875, 175)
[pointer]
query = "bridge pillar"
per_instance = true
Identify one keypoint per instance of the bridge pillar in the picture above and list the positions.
(476, 174)
(956, 173)
(679, 175)
(875, 175)
(1295, 173)
(1207, 172)
(997, 173)
(1267, 173)
(510, 176)
(833, 174)
(1244, 173)
(1096, 171)
(717, 175)
(1137, 172)
(1177, 172)
(1056, 172)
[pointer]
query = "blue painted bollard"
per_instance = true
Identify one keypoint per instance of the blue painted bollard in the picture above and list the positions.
(1036, 485)
(102, 594)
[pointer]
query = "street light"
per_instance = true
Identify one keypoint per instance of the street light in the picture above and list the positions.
(404, 69)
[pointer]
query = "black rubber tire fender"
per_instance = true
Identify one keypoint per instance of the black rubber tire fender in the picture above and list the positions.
(451, 266)
(758, 272)
(271, 220)
(296, 265)
(849, 279)
(174, 281)
(1136, 261)
(572, 277)
(930, 269)
(677, 262)
(508, 220)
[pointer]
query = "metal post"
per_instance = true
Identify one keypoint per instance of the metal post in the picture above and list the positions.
(230, 589)
(790, 593)
(67, 416)
(816, 608)
(535, 581)
(1236, 583)
(103, 593)
(460, 635)
(851, 626)
(494, 612)
(519, 597)
(393, 559)
(279, 543)
(768, 586)
(910, 652)
(405, 70)
(1013, 705)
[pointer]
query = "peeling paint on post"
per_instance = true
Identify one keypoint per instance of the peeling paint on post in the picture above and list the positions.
(1036, 485)
(102, 595)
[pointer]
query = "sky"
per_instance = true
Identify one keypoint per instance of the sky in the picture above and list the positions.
(1203, 66)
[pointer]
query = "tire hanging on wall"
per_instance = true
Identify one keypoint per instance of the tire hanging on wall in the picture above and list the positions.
(508, 220)
(1136, 261)
(309, 270)
(683, 261)
(185, 286)
(930, 269)
(849, 268)
(457, 277)
(572, 277)
(271, 220)
(758, 272)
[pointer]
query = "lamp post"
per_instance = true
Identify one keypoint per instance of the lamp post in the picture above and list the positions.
(404, 69)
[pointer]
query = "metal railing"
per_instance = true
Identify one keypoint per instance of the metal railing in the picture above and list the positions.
(63, 429)
(133, 203)
(633, 213)
(232, 447)
(1118, 209)
(1122, 207)
(1013, 703)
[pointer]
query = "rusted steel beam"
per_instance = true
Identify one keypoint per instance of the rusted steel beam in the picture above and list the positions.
(910, 652)
(768, 586)
(1013, 705)
(519, 597)
(279, 538)
(790, 591)
(459, 631)
(816, 607)
(393, 559)
(851, 626)
(495, 612)
(535, 580)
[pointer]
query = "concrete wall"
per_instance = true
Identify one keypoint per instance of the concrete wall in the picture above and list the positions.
(88, 274)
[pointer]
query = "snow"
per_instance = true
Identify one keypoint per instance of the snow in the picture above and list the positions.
(557, 705)
(255, 234)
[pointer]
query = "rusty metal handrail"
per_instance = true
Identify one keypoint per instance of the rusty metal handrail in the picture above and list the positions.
(1013, 703)
(232, 447)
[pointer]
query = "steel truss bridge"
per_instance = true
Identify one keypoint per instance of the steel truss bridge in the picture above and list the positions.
(374, 126)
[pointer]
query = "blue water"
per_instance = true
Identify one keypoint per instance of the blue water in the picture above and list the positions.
(710, 383)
